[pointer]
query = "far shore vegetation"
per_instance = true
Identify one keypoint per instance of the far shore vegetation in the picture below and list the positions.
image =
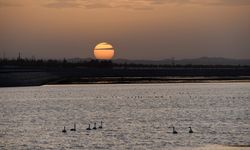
(93, 63)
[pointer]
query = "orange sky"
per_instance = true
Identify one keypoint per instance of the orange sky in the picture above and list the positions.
(138, 29)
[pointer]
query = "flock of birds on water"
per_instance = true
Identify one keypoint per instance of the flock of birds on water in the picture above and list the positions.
(100, 127)
(89, 128)
(175, 132)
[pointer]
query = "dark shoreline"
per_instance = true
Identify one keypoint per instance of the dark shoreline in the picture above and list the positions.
(150, 80)
(18, 77)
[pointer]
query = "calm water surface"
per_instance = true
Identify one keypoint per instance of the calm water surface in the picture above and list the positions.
(135, 116)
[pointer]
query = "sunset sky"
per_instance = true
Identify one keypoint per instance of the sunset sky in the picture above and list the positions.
(138, 29)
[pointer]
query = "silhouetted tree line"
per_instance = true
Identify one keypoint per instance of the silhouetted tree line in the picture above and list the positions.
(54, 63)
(19, 62)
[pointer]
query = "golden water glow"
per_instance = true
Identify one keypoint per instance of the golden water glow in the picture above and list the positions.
(104, 51)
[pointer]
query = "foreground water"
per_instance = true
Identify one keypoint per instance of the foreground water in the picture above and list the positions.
(135, 116)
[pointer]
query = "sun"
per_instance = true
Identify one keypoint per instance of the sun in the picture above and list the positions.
(104, 51)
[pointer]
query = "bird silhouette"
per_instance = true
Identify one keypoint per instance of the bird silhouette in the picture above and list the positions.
(88, 128)
(190, 130)
(94, 128)
(64, 130)
(100, 127)
(74, 129)
(174, 131)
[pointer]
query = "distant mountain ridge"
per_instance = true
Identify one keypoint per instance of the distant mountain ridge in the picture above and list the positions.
(190, 61)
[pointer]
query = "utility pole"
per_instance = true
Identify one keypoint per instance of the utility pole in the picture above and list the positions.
(3, 55)
(33, 57)
(173, 61)
(19, 56)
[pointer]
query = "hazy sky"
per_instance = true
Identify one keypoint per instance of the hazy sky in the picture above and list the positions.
(138, 29)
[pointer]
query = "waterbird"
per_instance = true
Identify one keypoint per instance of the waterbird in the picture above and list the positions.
(64, 130)
(190, 130)
(88, 128)
(94, 128)
(74, 129)
(174, 132)
(100, 127)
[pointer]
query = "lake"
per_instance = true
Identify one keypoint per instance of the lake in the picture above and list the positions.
(135, 116)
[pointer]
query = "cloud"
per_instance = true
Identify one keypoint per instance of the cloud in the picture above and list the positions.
(63, 4)
(221, 2)
(202, 2)
(95, 4)
(9, 4)
(138, 4)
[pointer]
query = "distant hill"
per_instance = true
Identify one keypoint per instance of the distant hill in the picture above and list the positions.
(194, 61)
(191, 61)
(214, 61)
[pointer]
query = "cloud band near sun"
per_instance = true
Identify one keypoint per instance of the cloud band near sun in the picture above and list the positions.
(126, 4)
(137, 4)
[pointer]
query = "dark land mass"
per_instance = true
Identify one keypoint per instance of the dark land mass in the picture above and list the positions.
(24, 72)
(171, 61)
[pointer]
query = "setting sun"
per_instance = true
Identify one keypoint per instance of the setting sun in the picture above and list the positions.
(104, 51)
